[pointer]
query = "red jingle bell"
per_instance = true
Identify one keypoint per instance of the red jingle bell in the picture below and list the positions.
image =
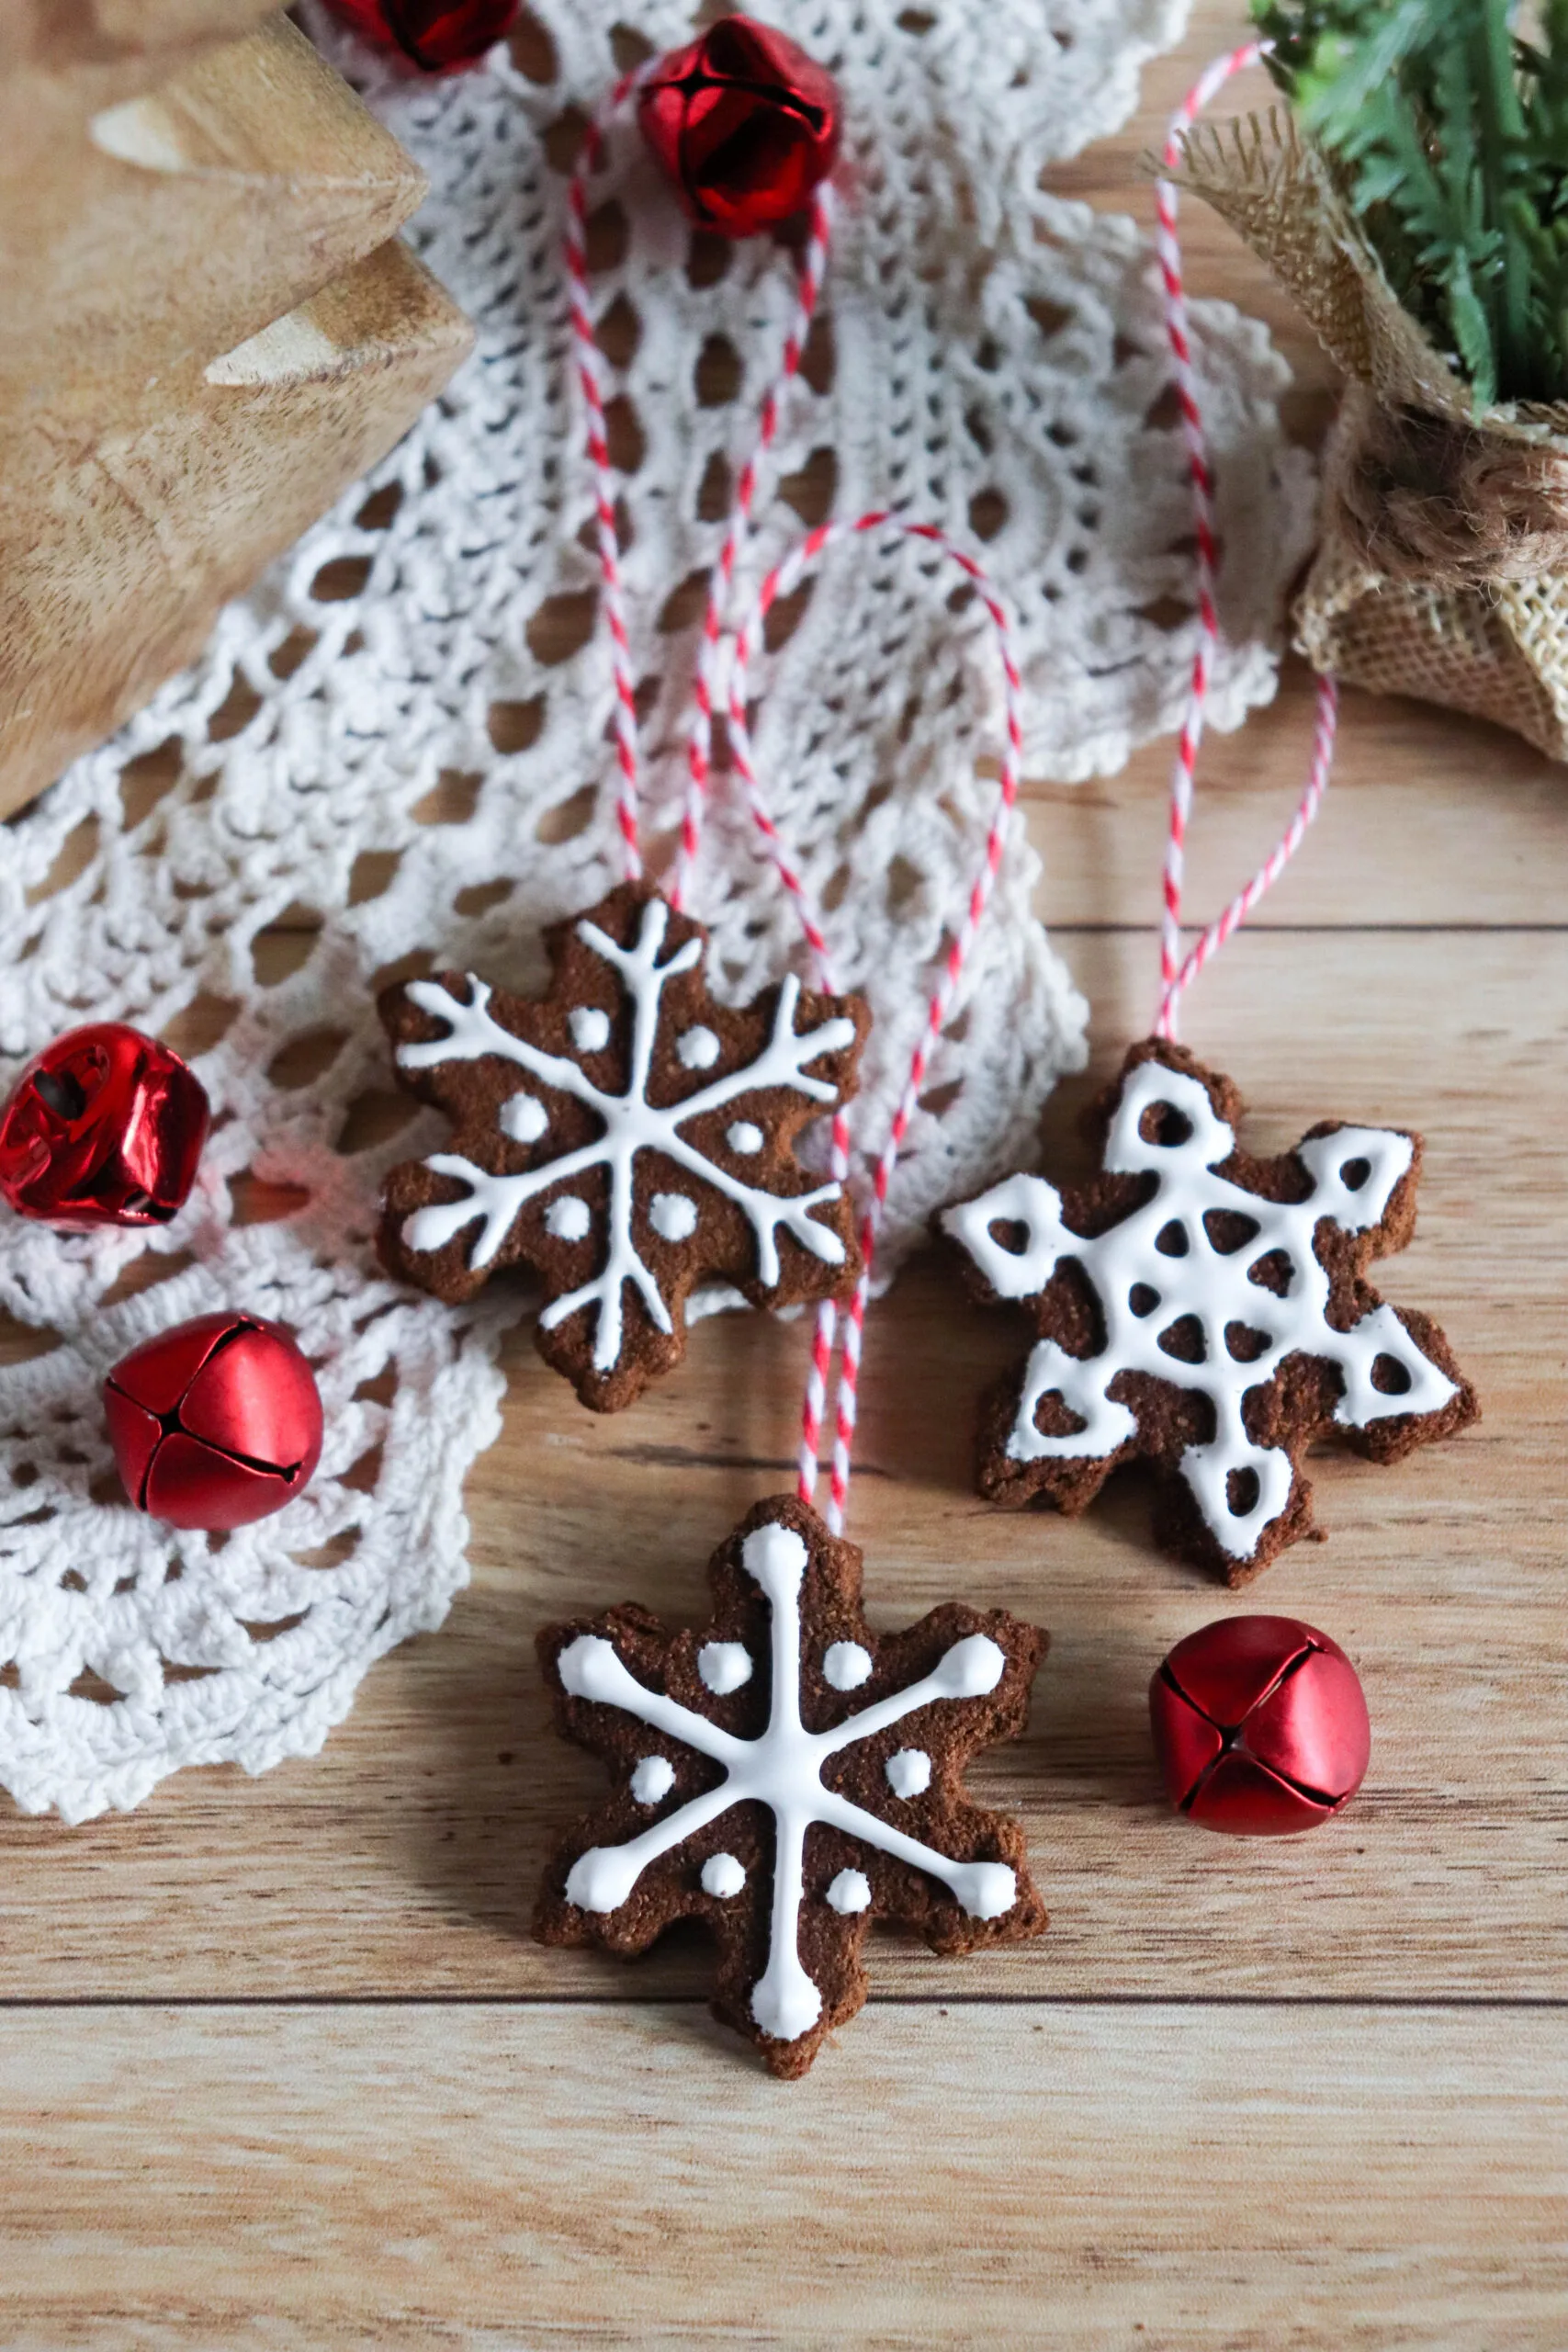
(431, 36)
(745, 124)
(104, 1127)
(1260, 1726)
(215, 1423)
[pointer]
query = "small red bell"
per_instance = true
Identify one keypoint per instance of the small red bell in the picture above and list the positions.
(104, 1127)
(1260, 1726)
(432, 36)
(215, 1423)
(745, 124)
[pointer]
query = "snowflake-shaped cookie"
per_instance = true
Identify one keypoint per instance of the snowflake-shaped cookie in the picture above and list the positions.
(787, 1775)
(1209, 1311)
(626, 1136)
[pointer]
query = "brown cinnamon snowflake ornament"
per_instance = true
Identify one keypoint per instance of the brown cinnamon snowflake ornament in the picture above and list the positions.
(1209, 1311)
(786, 1776)
(623, 1135)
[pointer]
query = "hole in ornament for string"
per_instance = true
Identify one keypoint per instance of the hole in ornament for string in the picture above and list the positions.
(1054, 1416)
(372, 875)
(451, 800)
(372, 1118)
(562, 626)
(1184, 1341)
(1246, 1343)
(1390, 1377)
(1165, 1127)
(516, 726)
(1354, 1174)
(77, 853)
(144, 782)
(1243, 1491)
(1273, 1271)
(1009, 1233)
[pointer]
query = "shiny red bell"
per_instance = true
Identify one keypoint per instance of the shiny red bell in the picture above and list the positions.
(215, 1423)
(431, 36)
(1260, 1726)
(104, 1127)
(745, 124)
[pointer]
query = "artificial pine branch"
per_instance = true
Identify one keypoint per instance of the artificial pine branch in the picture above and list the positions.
(1449, 126)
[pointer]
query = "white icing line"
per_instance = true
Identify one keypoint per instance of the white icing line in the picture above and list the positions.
(782, 1769)
(631, 1123)
(1204, 1283)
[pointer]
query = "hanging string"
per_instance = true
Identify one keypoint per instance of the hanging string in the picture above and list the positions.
(1178, 972)
(781, 581)
(812, 268)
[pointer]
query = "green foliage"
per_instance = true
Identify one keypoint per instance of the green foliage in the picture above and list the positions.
(1449, 120)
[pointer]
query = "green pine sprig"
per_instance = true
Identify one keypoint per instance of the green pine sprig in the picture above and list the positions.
(1450, 125)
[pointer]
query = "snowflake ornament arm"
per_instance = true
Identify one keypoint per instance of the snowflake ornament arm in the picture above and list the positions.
(792, 1814)
(1209, 1311)
(614, 1171)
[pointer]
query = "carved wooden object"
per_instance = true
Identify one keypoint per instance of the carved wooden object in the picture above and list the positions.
(208, 328)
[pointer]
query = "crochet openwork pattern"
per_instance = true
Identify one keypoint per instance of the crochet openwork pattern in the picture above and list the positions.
(388, 761)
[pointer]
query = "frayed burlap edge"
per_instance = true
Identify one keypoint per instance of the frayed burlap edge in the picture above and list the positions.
(1442, 566)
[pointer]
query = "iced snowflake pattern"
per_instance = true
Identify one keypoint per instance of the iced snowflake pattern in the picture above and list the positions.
(649, 1147)
(1217, 1285)
(774, 1896)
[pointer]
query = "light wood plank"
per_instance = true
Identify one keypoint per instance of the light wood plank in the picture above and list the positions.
(405, 1857)
(486, 2177)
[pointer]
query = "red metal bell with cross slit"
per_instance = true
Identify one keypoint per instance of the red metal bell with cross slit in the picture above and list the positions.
(215, 1423)
(105, 1126)
(745, 124)
(431, 36)
(1260, 1726)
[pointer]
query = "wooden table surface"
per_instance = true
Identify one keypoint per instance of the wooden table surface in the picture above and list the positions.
(281, 2067)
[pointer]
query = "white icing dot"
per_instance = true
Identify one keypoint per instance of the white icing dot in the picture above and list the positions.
(724, 1665)
(569, 1219)
(723, 1875)
(909, 1772)
(524, 1117)
(673, 1217)
(744, 1138)
(847, 1666)
(851, 1891)
(697, 1048)
(589, 1028)
(653, 1779)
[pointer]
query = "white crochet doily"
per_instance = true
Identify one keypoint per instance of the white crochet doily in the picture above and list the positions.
(374, 764)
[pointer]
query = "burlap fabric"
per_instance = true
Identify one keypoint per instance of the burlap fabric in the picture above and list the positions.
(1442, 564)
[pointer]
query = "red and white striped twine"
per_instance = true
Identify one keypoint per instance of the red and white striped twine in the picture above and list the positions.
(1176, 972)
(780, 581)
(812, 269)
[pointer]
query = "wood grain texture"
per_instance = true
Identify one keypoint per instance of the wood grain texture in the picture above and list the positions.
(206, 329)
(492, 2177)
(281, 2068)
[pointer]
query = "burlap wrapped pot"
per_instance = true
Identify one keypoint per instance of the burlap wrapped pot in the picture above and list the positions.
(1442, 564)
